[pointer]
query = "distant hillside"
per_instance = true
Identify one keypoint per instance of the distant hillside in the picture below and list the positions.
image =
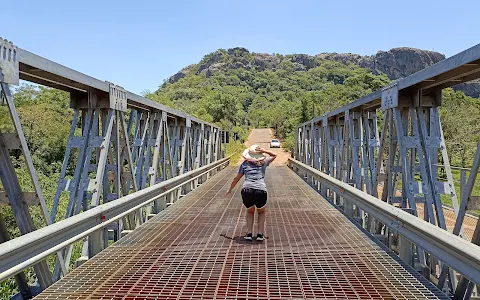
(237, 88)
(395, 63)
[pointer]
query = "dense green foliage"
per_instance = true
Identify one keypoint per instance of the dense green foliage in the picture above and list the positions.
(231, 88)
(45, 116)
(459, 115)
(279, 98)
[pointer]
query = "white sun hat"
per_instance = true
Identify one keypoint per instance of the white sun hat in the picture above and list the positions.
(252, 153)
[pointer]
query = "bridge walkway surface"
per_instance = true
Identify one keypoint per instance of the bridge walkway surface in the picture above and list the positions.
(195, 250)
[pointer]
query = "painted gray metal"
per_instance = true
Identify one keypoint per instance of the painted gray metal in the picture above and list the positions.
(111, 159)
(465, 286)
(40, 70)
(9, 65)
(411, 141)
(14, 190)
(455, 251)
(17, 254)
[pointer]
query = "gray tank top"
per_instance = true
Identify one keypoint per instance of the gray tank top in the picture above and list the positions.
(254, 174)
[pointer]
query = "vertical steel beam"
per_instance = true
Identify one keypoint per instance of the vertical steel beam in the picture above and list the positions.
(464, 285)
(127, 175)
(183, 137)
(158, 205)
(20, 210)
(140, 145)
(12, 186)
(20, 279)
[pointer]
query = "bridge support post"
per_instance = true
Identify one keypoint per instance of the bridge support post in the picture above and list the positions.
(158, 205)
(339, 154)
(13, 190)
(347, 165)
(200, 153)
(308, 150)
(183, 131)
(405, 250)
(316, 131)
(298, 144)
(15, 197)
(465, 287)
(417, 132)
(208, 153)
(147, 167)
(104, 141)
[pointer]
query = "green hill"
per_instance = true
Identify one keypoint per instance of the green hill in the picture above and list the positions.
(237, 89)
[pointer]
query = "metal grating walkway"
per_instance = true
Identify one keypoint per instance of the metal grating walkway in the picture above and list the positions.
(194, 250)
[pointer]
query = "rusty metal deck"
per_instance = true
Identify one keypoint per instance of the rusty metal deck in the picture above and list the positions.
(194, 250)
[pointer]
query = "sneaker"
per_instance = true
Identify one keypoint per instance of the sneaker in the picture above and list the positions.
(248, 237)
(260, 237)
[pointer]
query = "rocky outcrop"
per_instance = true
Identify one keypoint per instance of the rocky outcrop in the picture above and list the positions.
(184, 72)
(395, 63)
(400, 62)
(209, 60)
(469, 88)
(263, 61)
(306, 60)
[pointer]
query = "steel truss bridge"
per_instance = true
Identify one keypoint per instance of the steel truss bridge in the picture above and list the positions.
(356, 214)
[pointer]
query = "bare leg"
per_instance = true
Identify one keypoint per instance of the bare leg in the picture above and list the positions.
(261, 220)
(250, 216)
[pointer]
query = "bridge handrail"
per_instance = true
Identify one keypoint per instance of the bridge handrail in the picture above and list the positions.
(459, 254)
(28, 249)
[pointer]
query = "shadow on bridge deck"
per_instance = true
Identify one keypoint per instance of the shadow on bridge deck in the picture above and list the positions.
(193, 250)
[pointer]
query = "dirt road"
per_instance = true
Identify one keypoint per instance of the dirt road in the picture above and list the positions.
(262, 137)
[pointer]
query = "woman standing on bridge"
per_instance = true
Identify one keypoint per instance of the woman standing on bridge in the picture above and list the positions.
(254, 191)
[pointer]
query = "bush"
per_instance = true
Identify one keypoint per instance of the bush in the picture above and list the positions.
(234, 149)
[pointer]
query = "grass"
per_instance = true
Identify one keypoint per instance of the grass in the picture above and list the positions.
(446, 200)
(234, 149)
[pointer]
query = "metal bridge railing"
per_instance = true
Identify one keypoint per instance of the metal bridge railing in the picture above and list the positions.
(127, 143)
(27, 250)
(456, 252)
(389, 144)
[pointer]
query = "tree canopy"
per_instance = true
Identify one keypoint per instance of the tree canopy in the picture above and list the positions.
(235, 93)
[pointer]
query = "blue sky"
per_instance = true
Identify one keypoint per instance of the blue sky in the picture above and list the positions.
(139, 45)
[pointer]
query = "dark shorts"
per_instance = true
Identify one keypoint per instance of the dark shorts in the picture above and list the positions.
(253, 197)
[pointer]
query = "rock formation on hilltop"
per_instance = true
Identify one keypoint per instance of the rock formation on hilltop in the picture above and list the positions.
(395, 63)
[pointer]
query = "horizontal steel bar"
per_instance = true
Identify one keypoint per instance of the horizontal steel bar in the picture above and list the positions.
(457, 168)
(40, 70)
(453, 250)
(26, 250)
(457, 66)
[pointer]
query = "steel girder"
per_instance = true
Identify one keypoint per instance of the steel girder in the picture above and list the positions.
(13, 195)
(107, 167)
(126, 143)
(456, 251)
(400, 164)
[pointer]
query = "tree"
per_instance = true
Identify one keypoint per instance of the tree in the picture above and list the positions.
(461, 127)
